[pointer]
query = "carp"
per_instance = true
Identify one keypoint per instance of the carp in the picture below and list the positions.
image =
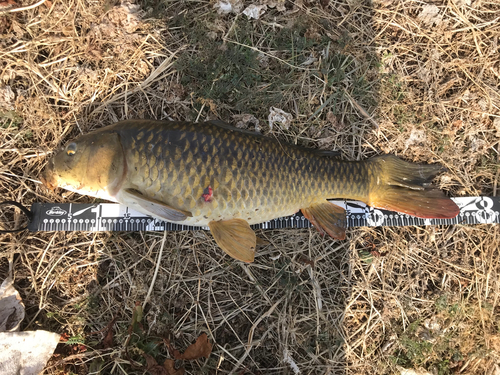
(212, 174)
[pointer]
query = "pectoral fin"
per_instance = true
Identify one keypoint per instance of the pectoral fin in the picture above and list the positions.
(155, 207)
(327, 217)
(235, 237)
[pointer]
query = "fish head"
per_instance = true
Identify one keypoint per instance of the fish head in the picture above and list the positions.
(93, 164)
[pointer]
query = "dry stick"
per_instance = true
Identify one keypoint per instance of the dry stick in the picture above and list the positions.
(254, 280)
(268, 54)
(158, 261)
(320, 109)
(24, 8)
(41, 305)
(40, 262)
(495, 183)
(365, 114)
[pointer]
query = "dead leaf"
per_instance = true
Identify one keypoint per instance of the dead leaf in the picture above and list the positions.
(278, 115)
(244, 121)
(126, 16)
(310, 60)
(153, 367)
(119, 20)
(306, 260)
(278, 4)
(416, 137)
(64, 337)
(108, 339)
(168, 367)
(494, 370)
(11, 307)
(228, 6)
(201, 348)
(430, 15)
(287, 358)
(7, 98)
(169, 346)
(334, 121)
(175, 92)
(255, 11)
(312, 33)
(457, 124)
(8, 4)
(263, 60)
(208, 102)
(496, 125)
(494, 342)
(96, 54)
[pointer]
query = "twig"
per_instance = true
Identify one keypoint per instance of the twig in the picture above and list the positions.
(25, 8)
(158, 262)
(361, 109)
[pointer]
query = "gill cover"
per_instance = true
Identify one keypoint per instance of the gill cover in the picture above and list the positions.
(93, 164)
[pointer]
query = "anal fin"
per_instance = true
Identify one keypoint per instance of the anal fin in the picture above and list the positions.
(327, 217)
(155, 207)
(235, 237)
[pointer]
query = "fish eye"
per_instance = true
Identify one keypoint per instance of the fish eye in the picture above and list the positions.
(71, 149)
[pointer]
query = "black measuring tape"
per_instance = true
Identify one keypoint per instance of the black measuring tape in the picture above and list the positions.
(116, 217)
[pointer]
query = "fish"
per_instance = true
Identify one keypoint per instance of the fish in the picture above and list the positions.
(212, 174)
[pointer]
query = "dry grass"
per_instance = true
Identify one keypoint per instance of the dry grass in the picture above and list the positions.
(382, 300)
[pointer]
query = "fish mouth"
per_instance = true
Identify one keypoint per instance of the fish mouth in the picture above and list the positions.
(48, 177)
(49, 185)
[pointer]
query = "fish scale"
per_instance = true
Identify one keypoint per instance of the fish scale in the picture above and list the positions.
(258, 178)
(216, 175)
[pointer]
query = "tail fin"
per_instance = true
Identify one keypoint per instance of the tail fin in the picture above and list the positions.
(406, 187)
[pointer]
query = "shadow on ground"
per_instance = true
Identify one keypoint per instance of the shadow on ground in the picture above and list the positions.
(307, 303)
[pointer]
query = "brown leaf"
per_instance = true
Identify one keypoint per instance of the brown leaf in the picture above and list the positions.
(306, 260)
(332, 119)
(458, 124)
(64, 337)
(150, 361)
(153, 367)
(169, 366)
(169, 346)
(201, 348)
(95, 53)
(8, 4)
(108, 339)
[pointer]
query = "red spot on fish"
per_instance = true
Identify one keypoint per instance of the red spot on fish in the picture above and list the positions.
(208, 194)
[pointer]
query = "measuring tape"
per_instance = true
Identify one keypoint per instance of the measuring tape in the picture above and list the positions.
(117, 217)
